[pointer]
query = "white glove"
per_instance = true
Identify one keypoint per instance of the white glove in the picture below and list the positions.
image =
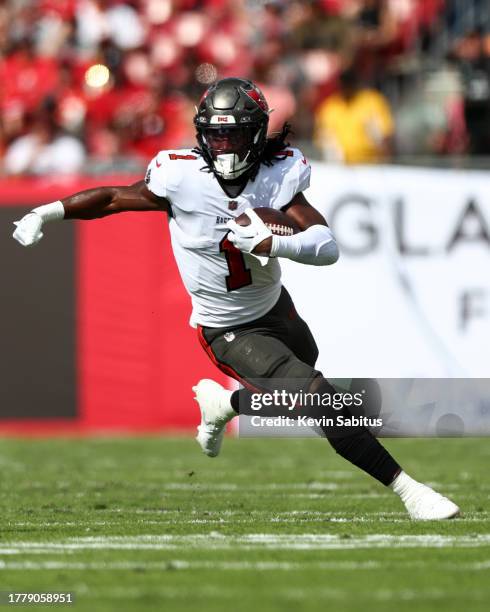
(246, 238)
(28, 231)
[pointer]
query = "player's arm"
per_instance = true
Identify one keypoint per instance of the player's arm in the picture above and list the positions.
(315, 245)
(104, 201)
(303, 213)
(88, 204)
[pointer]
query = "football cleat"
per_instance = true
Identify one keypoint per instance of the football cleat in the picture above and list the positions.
(216, 411)
(422, 502)
(425, 504)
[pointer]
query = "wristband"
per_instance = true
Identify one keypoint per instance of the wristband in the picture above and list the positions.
(50, 212)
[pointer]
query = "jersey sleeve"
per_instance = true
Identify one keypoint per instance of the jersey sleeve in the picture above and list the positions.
(294, 177)
(167, 173)
(155, 177)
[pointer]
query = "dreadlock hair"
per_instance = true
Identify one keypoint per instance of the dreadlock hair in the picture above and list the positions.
(274, 150)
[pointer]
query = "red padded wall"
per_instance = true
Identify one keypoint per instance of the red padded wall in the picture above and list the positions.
(137, 356)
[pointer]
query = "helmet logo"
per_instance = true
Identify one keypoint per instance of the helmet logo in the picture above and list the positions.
(258, 98)
(222, 119)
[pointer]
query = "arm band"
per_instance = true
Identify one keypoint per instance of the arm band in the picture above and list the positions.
(315, 246)
(50, 212)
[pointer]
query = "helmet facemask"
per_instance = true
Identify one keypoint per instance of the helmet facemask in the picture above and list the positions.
(232, 150)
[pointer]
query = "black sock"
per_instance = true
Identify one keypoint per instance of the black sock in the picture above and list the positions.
(363, 450)
(358, 445)
(355, 444)
(240, 396)
(235, 401)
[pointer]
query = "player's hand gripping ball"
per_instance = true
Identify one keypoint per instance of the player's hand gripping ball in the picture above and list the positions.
(257, 225)
(247, 237)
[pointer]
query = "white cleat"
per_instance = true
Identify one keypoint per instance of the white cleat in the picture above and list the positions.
(216, 411)
(425, 504)
(422, 502)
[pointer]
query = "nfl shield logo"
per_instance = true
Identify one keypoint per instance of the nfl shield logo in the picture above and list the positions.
(233, 205)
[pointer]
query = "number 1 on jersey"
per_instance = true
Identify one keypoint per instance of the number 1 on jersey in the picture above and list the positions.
(239, 275)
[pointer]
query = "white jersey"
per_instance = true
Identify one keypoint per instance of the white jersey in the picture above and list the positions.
(227, 287)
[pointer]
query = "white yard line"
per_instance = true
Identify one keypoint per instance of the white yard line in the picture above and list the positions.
(285, 486)
(87, 525)
(253, 541)
(250, 515)
(273, 486)
(234, 517)
(179, 564)
(292, 594)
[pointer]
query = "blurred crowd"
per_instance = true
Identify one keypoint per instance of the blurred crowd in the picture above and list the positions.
(89, 84)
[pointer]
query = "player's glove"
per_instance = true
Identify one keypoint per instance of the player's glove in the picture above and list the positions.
(28, 229)
(247, 237)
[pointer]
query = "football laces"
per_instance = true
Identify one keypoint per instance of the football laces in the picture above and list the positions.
(280, 230)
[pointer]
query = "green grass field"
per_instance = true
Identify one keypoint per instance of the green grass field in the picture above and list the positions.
(270, 525)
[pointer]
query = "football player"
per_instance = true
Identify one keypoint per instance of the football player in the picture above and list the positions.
(245, 318)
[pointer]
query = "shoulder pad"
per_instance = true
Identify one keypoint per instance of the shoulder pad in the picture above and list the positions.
(167, 169)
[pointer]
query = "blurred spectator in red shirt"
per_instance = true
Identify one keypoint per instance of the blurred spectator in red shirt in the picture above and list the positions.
(27, 77)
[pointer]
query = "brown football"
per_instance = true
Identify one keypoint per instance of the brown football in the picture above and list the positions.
(278, 222)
